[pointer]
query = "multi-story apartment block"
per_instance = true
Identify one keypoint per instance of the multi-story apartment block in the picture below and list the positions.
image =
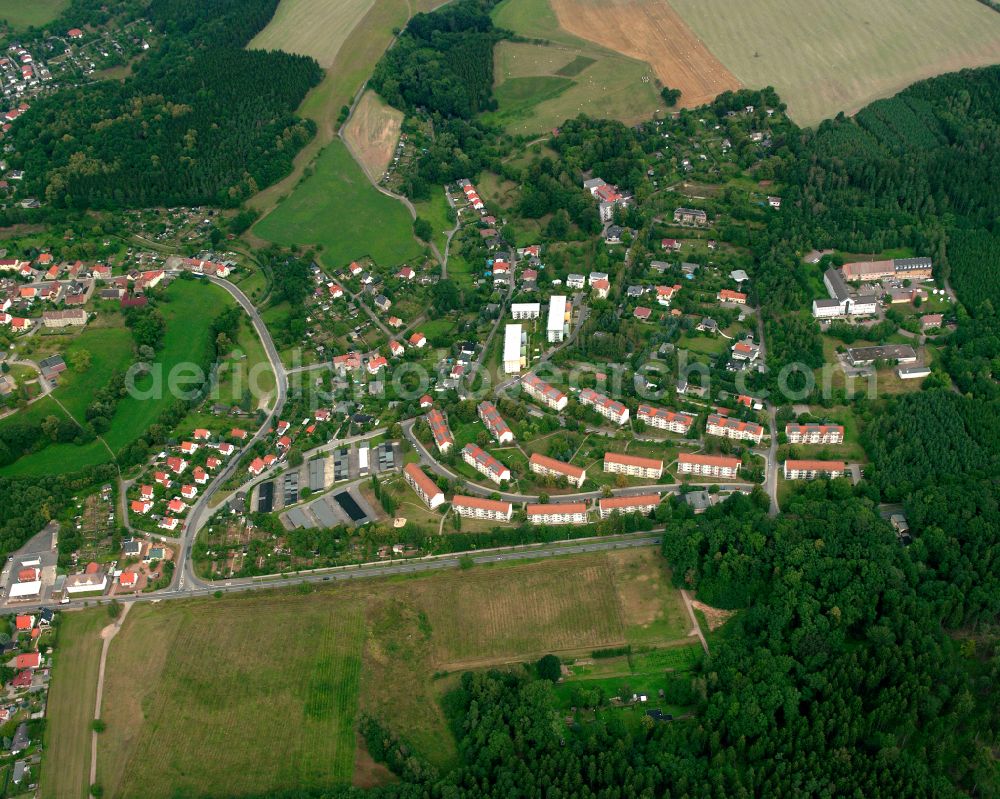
(423, 486)
(484, 463)
(708, 465)
(607, 407)
(479, 508)
(661, 418)
(550, 467)
(723, 426)
(494, 422)
(814, 433)
(810, 470)
(633, 466)
(440, 430)
(644, 504)
(544, 393)
(557, 513)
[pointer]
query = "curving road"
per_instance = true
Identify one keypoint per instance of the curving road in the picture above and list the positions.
(184, 571)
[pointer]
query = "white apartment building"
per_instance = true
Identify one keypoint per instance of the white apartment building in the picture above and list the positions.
(607, 407)
(556, 327)
(708, 465)
(526, 310)
(514, 350)
(423, 486)
(557, 513)
(814, 433)
(661, 418)
(633, 466)
(544, 393)
(550, 467)
(479, 508)
(644, 504)
(810, 470)
(735, 429)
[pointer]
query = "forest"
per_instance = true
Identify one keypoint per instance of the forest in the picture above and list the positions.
(201, 121)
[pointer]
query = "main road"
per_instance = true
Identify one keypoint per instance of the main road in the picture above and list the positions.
(184, 575)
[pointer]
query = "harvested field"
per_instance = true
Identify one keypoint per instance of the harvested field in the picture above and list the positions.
(541, 85)
(315, 28)
(372, 133)
(829, 57)
(652, 32)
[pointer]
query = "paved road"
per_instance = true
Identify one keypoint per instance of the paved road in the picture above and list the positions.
(389, 568)
(438, 468)
(184, 571)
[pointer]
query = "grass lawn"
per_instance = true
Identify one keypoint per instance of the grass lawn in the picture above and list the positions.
(25, 13)
(72, 696)
(191, 688)
(435, 211)
(253, 372)
(337, 208)
(110, 350)
(189, 311)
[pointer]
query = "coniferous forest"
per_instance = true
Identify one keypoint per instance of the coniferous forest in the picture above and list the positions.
(201, 120)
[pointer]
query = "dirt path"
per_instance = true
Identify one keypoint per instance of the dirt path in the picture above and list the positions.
(694, 620)
(107, 634)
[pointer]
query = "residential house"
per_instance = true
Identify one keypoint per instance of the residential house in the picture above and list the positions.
(642, 314)
(728, 295)
(690, 216)
(418, 340)
(665, 294)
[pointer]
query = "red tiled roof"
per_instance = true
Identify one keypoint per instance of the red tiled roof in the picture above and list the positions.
(547, 509)
(545, 461)
(632, 460)
(613, 503)
(483, 504)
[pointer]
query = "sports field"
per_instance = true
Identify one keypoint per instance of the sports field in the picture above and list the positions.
(72, 695)
(315, 28)
(260, 692)
(372, 133)
(826, 57)
(338, 209)
(25, 13)
(651, 31)
(192, 307)
(539, 86)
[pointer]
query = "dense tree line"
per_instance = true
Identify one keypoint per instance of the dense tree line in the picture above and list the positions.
(443, 62)
(201, 121)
